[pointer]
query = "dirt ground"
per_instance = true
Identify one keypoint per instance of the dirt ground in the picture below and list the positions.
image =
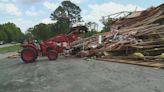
(77, 75)
(5, 55)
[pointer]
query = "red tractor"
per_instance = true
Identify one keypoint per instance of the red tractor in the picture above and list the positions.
(50, 47)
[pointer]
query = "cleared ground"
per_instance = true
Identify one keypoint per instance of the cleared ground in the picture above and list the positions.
(77, 75)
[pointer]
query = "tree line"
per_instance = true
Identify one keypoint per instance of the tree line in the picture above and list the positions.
(65, 15)
(10, 32)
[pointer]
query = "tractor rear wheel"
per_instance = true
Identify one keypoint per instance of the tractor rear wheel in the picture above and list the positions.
(52, 55)
(28, 55)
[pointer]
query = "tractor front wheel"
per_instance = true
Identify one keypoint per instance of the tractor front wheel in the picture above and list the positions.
(28, 55)
(52, 55)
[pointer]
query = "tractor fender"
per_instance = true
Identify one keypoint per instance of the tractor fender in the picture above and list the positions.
(30, 46)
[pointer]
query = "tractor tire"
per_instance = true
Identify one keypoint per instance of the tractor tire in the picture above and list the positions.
(28, 55)
(52, 55)
(36, 55)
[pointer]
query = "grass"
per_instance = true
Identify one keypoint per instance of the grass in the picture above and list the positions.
(10, 49)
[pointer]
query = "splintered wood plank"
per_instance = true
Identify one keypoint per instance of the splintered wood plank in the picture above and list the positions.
(140, 63)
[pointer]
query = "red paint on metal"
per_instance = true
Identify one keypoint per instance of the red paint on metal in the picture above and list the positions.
(28, 55)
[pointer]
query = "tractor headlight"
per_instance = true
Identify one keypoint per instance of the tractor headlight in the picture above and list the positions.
(58, 44)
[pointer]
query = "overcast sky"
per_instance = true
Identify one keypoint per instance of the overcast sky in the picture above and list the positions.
(27, 13)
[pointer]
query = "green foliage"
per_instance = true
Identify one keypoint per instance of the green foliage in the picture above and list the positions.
(10, 32)
(65, 15)
(67, 12)
(88, 34)
(45, 31)
(41, 31)
(60, 27)
(107, 23)
(28, 33)
(3, 35)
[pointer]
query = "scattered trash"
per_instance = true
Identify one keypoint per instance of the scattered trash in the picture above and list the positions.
(14, 55)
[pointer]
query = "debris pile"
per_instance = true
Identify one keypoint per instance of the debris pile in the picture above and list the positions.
(139, 35)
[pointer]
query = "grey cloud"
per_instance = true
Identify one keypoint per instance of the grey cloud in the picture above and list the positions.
(6, 1)
(30, 1)
(22, 1)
